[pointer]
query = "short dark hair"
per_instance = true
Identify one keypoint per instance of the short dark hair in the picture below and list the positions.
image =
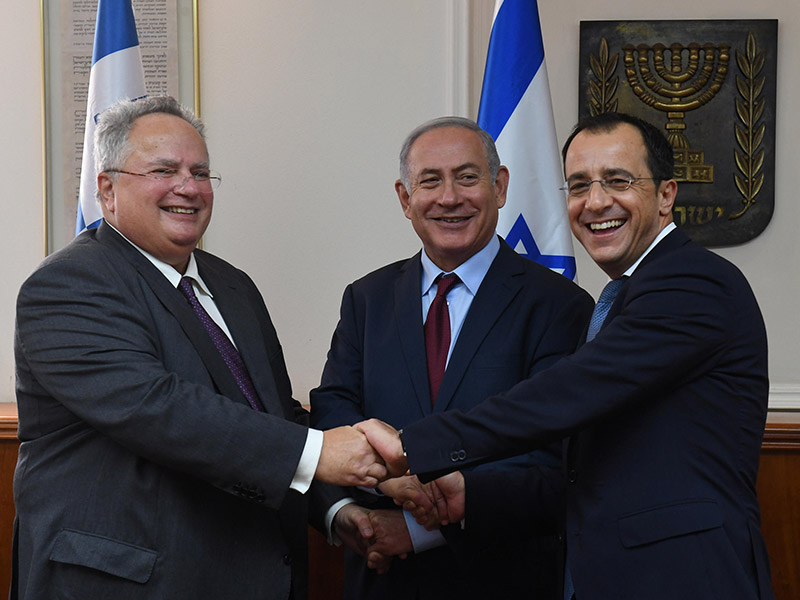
(660, 158)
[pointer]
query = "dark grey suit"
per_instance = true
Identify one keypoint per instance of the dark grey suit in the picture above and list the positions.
(142, 472)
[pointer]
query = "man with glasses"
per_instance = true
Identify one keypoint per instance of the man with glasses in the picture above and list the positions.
(664, 405)
(162, 455)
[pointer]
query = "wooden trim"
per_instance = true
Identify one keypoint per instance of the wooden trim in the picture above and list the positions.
(8, 421)
(781, 436)
(778, 435)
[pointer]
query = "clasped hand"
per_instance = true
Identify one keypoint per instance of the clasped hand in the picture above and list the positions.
(437, 503)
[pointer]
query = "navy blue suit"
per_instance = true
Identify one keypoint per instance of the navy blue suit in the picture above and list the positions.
(666, 408)
(522, 320)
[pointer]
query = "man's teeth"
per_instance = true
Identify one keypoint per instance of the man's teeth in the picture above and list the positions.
(182, 211)
(606, 225)
(452, 219)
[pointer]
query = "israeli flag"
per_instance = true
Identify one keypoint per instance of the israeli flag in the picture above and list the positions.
(516, 110)
(116, 74)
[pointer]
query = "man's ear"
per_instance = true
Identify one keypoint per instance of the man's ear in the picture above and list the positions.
(667, 192)
(107, 197)
(501, 186)
(403, 196)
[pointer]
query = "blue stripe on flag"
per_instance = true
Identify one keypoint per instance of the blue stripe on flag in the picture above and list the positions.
(515, 53)
(116, 73)
(115, 29)
(516, 110)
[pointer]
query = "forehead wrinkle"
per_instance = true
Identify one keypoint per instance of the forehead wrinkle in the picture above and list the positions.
(175, 164)
(605, 172)
(457, 169)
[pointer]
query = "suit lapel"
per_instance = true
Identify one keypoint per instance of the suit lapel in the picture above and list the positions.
(496, 292)
(673, 240)
(242, 323)
(408, 320)
(175, 303)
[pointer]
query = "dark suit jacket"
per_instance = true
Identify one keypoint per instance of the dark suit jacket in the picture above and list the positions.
(523, 318)
(142, 472)
(666, 409)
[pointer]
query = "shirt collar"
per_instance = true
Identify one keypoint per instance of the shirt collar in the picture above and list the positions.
(471, 272)
(168, 271)
(661, 235)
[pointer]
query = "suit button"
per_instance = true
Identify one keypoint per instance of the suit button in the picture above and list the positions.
(287, 560)
(458, 455)
(572, 476)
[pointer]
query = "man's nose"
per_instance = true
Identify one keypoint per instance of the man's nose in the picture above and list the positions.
(449, 193)
(597, 197)
(188, 184)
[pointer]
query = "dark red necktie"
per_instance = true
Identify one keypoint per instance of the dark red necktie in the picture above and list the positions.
(437, 334)
(224, 345)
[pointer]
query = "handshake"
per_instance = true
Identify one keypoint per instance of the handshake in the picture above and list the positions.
(370, 454)
(363, 455)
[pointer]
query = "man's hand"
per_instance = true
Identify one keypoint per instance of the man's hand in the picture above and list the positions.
(353, 527)
(449, 494)
(386, 441)
(348, 459)
(391, 538)
(415, 497)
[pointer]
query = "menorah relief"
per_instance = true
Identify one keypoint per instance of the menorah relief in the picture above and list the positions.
(690, 79)
(713, 90)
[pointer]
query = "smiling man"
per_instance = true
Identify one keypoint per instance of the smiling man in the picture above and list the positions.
(664, 405)
(162, 455)
(501, 318)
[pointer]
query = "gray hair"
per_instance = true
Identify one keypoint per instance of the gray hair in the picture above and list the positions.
(488, 145)
(111, 147)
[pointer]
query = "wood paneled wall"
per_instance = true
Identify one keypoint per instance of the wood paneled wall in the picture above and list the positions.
(778, 492)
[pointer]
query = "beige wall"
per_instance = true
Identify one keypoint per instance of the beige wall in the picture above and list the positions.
(307, 103)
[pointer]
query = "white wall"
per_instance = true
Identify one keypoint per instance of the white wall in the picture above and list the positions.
(307, 103)
(21, 170)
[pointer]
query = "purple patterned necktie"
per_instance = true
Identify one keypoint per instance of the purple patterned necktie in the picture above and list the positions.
(224, 345)
(437, 334)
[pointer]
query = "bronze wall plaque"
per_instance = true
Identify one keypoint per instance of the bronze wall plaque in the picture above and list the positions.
(710, 86)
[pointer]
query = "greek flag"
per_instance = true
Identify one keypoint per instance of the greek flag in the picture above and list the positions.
(516, 110)
(116, 73)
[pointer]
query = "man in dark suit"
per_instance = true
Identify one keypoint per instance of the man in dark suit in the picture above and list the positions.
(509, 318)
(149, 467)
(665, 407)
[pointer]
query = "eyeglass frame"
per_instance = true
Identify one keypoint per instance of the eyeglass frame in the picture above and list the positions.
(604, 182)
(214, 179)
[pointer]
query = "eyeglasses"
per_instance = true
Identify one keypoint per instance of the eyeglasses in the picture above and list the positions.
(581, 187)
(174, 178)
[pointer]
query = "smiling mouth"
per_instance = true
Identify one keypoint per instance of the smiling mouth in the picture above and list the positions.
(181, 211)
(451, 219)
(606, 225)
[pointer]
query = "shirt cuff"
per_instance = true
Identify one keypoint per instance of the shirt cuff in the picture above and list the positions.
(309, 460)
(333, 539)
(421, 538)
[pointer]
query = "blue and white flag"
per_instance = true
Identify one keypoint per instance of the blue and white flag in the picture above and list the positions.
(517, 111)
(116, 73)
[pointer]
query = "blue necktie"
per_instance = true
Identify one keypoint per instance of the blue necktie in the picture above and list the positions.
(603, 305)
(224, 345)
